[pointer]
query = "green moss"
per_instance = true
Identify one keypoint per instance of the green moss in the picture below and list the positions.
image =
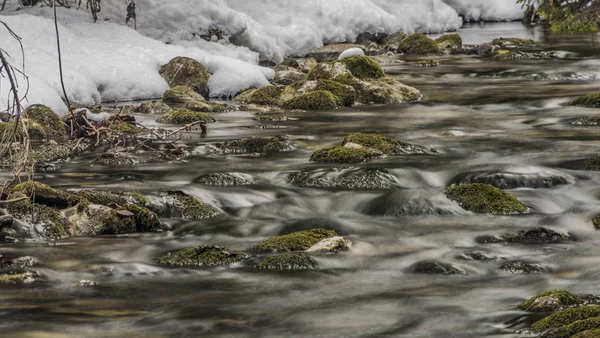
(50, 152)
(596, 221)
(418, 44)
(184, 71)
(588, 334)
(143, 220)
(46, 122)
(297, 241)
(347, 79)
(180, 95)
(18, 277)
(363, 67)
(184, 116)
(266, 96)
(205, 107)
(566, 317)
(136, 196)
(345, 95)
(594, 163)
(503, 42)
(343, 155)
(485, 199)
(192, 208)
(125, 127)
(562, 20)
(450, 41)
(577, 327)
(101, 197)
(203, 256)
(255, 145)
(48, 218)
(43, 194)
(386, 145)
(386, 91)
(290, 262)
(560, 298)
(315, 100)
(588, 101)
(320, 71)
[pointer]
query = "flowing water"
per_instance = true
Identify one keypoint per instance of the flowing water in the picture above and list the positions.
(485, 121)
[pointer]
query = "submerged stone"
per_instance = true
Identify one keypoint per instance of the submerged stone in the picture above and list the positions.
(593, 163)
(116, 159)
(344, 179)
(384, 144)
(550, 301)
(287, 262)
(344, 154)
(255, 145)
(435, 268)
(588, 101)
(513, 180)
(485, 199)
(225, 179)
(185, 116)
(522, 267)
(297, 241)
(203, 256)
(26, 277)
(184, 71)
(514, 42)
(587, 121)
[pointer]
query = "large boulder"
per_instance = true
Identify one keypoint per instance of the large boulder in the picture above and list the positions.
(449, 41)
(386, 91)
(485, 199)
(184, 71)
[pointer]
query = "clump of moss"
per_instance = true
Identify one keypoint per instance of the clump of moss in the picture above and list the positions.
(418, 44)
(485, 199)
(203, 256)
(297, 241)
(184, 71)
(255, 145)
(596, 221)
(343, 155)
(503, 42)
(187, 206)
(181, 95)
(184, 116)
(44, 194)
(101, 197)
(566, 317)
(44, 121)
(143, 219)
(363, 67)
(386, 145)
(550, 301)
(588, 334)
(344, 94)
(266, 96)
(315, 100)
(588, 101)
(287, 262)
(321, 71)
(453, 41)
(577, 327)
(593, 163)
(347, 79)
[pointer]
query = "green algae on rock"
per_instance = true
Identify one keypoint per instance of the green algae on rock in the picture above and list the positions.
(297, 241)
(386, 145)
(345, 95)
(363, 67)
(593, 163)
(44, 194)
(286, 262)
(485, 199)
(26, 277)
(315, 100)
(266, 96)
(154, 108)
(344, 154)
(203, 256)
(184, 116)
(514, 42)
(449, 41)
(386, 91)
(435, 268)
(418, 44)
(574, 328)
(255, 145)
(566, 317)
(182, 205)
(587, 101)
(550, 301)
(184, 71)
(45, 123)
(588, 334)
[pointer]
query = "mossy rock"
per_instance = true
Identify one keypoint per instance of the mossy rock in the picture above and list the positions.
(386, 91)
(45, 124)
(329, 71)
(297, 241)
(184, 71)
(418, 44)
(49, 220)
(266, 96)
(363, 67)
(154, 108)
(386, 145)
(103, 197)
(143, 220)
(203, 256)
(514, 42)
(345, 94)
(181, 95)
(351, 179)
(449, 41)
(287, 77)
(522, 267)
(44, 194)
(184, 116)
(588, 101)
(255, 145)
(536, 236)
(566, 317)
(50, 152)
(225, 179)
(596, 221)
(315, 100)
(116, 159)
(587, 121)
(550, 301)
(26, 277)
(181, 205)
(485, 199)
(430, 267)
(343, 154)
(588, 334)
(574, 328)
(206, 107)
(593, 163)
(286, 262)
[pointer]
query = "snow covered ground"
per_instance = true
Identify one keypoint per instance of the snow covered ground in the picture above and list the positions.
(109, 61)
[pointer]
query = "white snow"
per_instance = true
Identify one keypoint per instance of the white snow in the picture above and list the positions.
(109, 61)
(351, 52)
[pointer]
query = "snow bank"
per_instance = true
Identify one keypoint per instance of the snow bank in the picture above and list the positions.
(487, 10)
